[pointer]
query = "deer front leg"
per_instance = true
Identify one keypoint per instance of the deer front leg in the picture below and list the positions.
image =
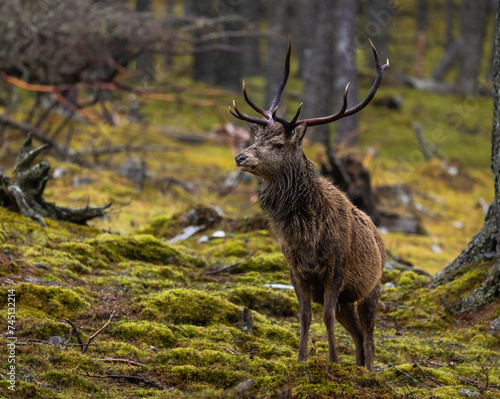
(329, 305)
(305, 299)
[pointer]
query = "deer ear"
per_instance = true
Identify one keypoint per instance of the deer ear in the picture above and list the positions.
(255, 128)
(299, 133)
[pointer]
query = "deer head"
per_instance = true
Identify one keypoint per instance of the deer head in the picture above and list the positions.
(277, 140)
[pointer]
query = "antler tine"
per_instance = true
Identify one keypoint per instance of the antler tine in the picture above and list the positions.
(343, 112)
(239, 115)
(284, 78)
(253, 105)
(294, 120)
(327, 119)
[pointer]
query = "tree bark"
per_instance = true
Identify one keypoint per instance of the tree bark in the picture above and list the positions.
(377, 28)
(318, 68)
(276, 12)
(450, 17)
(474, 18)
(345, 70)
(420, 39)
(485, 246)
(145, 61)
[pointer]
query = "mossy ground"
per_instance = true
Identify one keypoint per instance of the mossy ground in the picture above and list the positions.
(185, 327)
(182, 328)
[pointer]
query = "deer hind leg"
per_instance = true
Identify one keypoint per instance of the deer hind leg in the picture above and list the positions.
(347, 316)
(367, 310)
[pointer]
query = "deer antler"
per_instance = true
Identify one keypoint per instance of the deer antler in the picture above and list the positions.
(271, 112)
(351, 111)
(271, 117)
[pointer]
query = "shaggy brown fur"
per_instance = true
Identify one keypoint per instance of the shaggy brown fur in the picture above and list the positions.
(333, 249)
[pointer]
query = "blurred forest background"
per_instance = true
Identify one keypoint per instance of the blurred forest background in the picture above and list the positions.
(140, 90)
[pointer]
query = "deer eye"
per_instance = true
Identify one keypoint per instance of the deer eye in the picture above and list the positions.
(278, 146)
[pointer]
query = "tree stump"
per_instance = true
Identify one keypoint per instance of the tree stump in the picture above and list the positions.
(23, 192)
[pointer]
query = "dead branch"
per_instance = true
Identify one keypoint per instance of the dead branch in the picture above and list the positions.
(73, 329)
(86, 346)
(124, 148)
(426, 149)
(134, 379)
(410, 377)
(415, 364)
(172, 180)
(27, 128)
(232, 266)
(129, 362)
(24, 191)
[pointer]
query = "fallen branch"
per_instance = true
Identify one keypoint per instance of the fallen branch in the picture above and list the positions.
(129, 362)
(24, 191)
(73, 329)
(129, 378)
(86, 346)
(409, 376)
(124, 148)
(415, 364)
(231, 266)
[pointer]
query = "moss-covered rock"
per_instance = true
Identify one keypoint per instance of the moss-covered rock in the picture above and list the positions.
(136, 247)
(188, 306)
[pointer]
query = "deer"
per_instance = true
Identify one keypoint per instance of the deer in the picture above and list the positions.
(333, 250)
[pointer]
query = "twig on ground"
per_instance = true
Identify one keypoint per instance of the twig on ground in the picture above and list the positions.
(409, 376)
(231, 266)
(129, 362)
(73, 329)
(129, 378)
(86, 346)
(415, 364)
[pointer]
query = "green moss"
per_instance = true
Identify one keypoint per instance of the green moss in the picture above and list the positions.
(269, 263)
(162, 227)
(216, 376)
(66, 381)
(137, 247)
(265, 300)
(143, 331)
(55, 301)
(184, 306)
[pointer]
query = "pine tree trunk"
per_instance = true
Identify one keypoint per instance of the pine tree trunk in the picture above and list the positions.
(276, 12)
(318, 68)
(145, 61)
(345, 70)
(485, 246)
(474, 18)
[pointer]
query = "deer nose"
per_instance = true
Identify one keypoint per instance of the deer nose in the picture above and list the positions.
(240, 159)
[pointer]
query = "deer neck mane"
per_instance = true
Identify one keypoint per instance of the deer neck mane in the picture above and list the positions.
(291, 191)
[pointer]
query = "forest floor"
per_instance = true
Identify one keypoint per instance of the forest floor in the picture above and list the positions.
(178, 312)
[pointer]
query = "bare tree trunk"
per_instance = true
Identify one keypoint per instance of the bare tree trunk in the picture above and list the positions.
(420, 39)
(377, 28)
(450, 18)
(303, 32)
(276, 13)
(486, 244)
(474, 18)
(252, 11)
(145, 61)
(169, 24)
(318, 67)
(345, 69)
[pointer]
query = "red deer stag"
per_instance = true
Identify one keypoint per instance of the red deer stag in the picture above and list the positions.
(333, 249)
